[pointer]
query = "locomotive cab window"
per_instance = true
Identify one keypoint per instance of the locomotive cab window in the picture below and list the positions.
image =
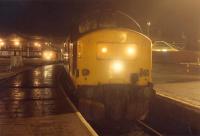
(127, 51)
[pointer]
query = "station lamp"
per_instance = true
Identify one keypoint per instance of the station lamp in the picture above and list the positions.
(148, 28)
(2, 43)
(47, 55)
(36, 44)
(148, 23)
(16, 42)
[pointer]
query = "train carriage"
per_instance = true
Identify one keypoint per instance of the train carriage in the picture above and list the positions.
(110, 65)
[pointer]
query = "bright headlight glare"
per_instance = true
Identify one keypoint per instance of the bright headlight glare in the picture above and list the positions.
(104, 50)
(117, 66)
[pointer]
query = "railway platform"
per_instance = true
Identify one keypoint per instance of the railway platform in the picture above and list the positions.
(177, 100)
(173, 81)
(178, 103)
(32, 103)
(185, 92)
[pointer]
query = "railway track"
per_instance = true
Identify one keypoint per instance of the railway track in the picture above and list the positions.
(136, 128)
(146, 128)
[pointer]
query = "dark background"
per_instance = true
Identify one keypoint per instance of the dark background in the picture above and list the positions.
(172, 20)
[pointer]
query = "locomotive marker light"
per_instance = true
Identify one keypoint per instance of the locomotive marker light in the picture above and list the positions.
(117, 66)
(130, 51)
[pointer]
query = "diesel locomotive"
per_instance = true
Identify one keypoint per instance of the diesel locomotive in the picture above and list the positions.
(110, 63)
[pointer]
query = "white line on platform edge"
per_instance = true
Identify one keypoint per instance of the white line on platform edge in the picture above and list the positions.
(177, 100)
(87, 125)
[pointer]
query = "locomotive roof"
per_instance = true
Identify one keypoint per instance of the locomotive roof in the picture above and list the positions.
(105, 19)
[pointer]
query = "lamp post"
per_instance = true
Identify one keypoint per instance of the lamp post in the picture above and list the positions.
(16, 43)
(2, 43)
(16, 59)
(148, 28)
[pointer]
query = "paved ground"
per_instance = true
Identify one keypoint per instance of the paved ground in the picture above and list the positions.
(175, 82)
(188, 92)
(12, 72)
(6, 71)
(31, 104)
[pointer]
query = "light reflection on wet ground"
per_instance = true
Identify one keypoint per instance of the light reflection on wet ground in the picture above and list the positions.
(39, 77)
(32, 93)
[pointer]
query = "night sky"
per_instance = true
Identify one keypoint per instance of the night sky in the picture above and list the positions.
(170, 19)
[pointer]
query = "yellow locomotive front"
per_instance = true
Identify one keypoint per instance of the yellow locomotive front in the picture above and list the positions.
(111, 70)
(113, 56)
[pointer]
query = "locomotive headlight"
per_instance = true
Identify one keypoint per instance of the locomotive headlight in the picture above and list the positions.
(117, 66)
(47, 55)
(130, 51)
(104, 50)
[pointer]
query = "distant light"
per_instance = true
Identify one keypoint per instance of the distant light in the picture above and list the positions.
(36, 82)
(17, 83)
(37, 72)
(104, 50)
(149, 23)
(16, 42)
(45, 73)
(2, 43)
(36, 44)
(164, 50)
(48, 55)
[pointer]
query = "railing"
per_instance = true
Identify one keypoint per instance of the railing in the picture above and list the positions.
(28, 54)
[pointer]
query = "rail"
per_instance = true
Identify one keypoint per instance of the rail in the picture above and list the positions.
(148, 129)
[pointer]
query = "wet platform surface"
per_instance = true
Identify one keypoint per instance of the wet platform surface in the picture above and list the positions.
(31, 104)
